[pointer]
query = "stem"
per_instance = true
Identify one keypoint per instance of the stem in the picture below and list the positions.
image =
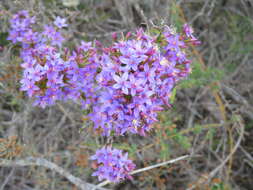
(145, 169)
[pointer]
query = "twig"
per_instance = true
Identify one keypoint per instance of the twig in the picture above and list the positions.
(212, 173)
(246, 154)
(230, 155)
(140, 11)
(7, 179)
(32, 161)
(145, 169)
(65, 113)
(160, 164)
(125, 10)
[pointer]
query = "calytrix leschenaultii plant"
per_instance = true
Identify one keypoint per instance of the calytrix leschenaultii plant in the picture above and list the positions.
(124, 86)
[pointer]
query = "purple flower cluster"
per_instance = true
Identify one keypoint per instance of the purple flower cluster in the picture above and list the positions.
(50, 73)
(21, 30)
(136, 79)
(128, 80)
(112, 164)
(123, 86)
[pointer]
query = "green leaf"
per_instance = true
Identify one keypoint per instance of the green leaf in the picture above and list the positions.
(197, 129)
(3, 39)
(173, 95)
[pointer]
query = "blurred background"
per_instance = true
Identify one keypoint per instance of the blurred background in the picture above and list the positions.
(211, 117)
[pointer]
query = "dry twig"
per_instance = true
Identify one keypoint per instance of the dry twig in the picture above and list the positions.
(32, 161)
(145, 169)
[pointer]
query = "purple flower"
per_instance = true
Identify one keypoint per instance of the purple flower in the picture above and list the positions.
(174, 44)
(148, 74)
(60, 22)
(29, 87)
(35, 73)
(135, 84)
(121, 82)
(189, 34)
(85, 46)
(53, 36)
